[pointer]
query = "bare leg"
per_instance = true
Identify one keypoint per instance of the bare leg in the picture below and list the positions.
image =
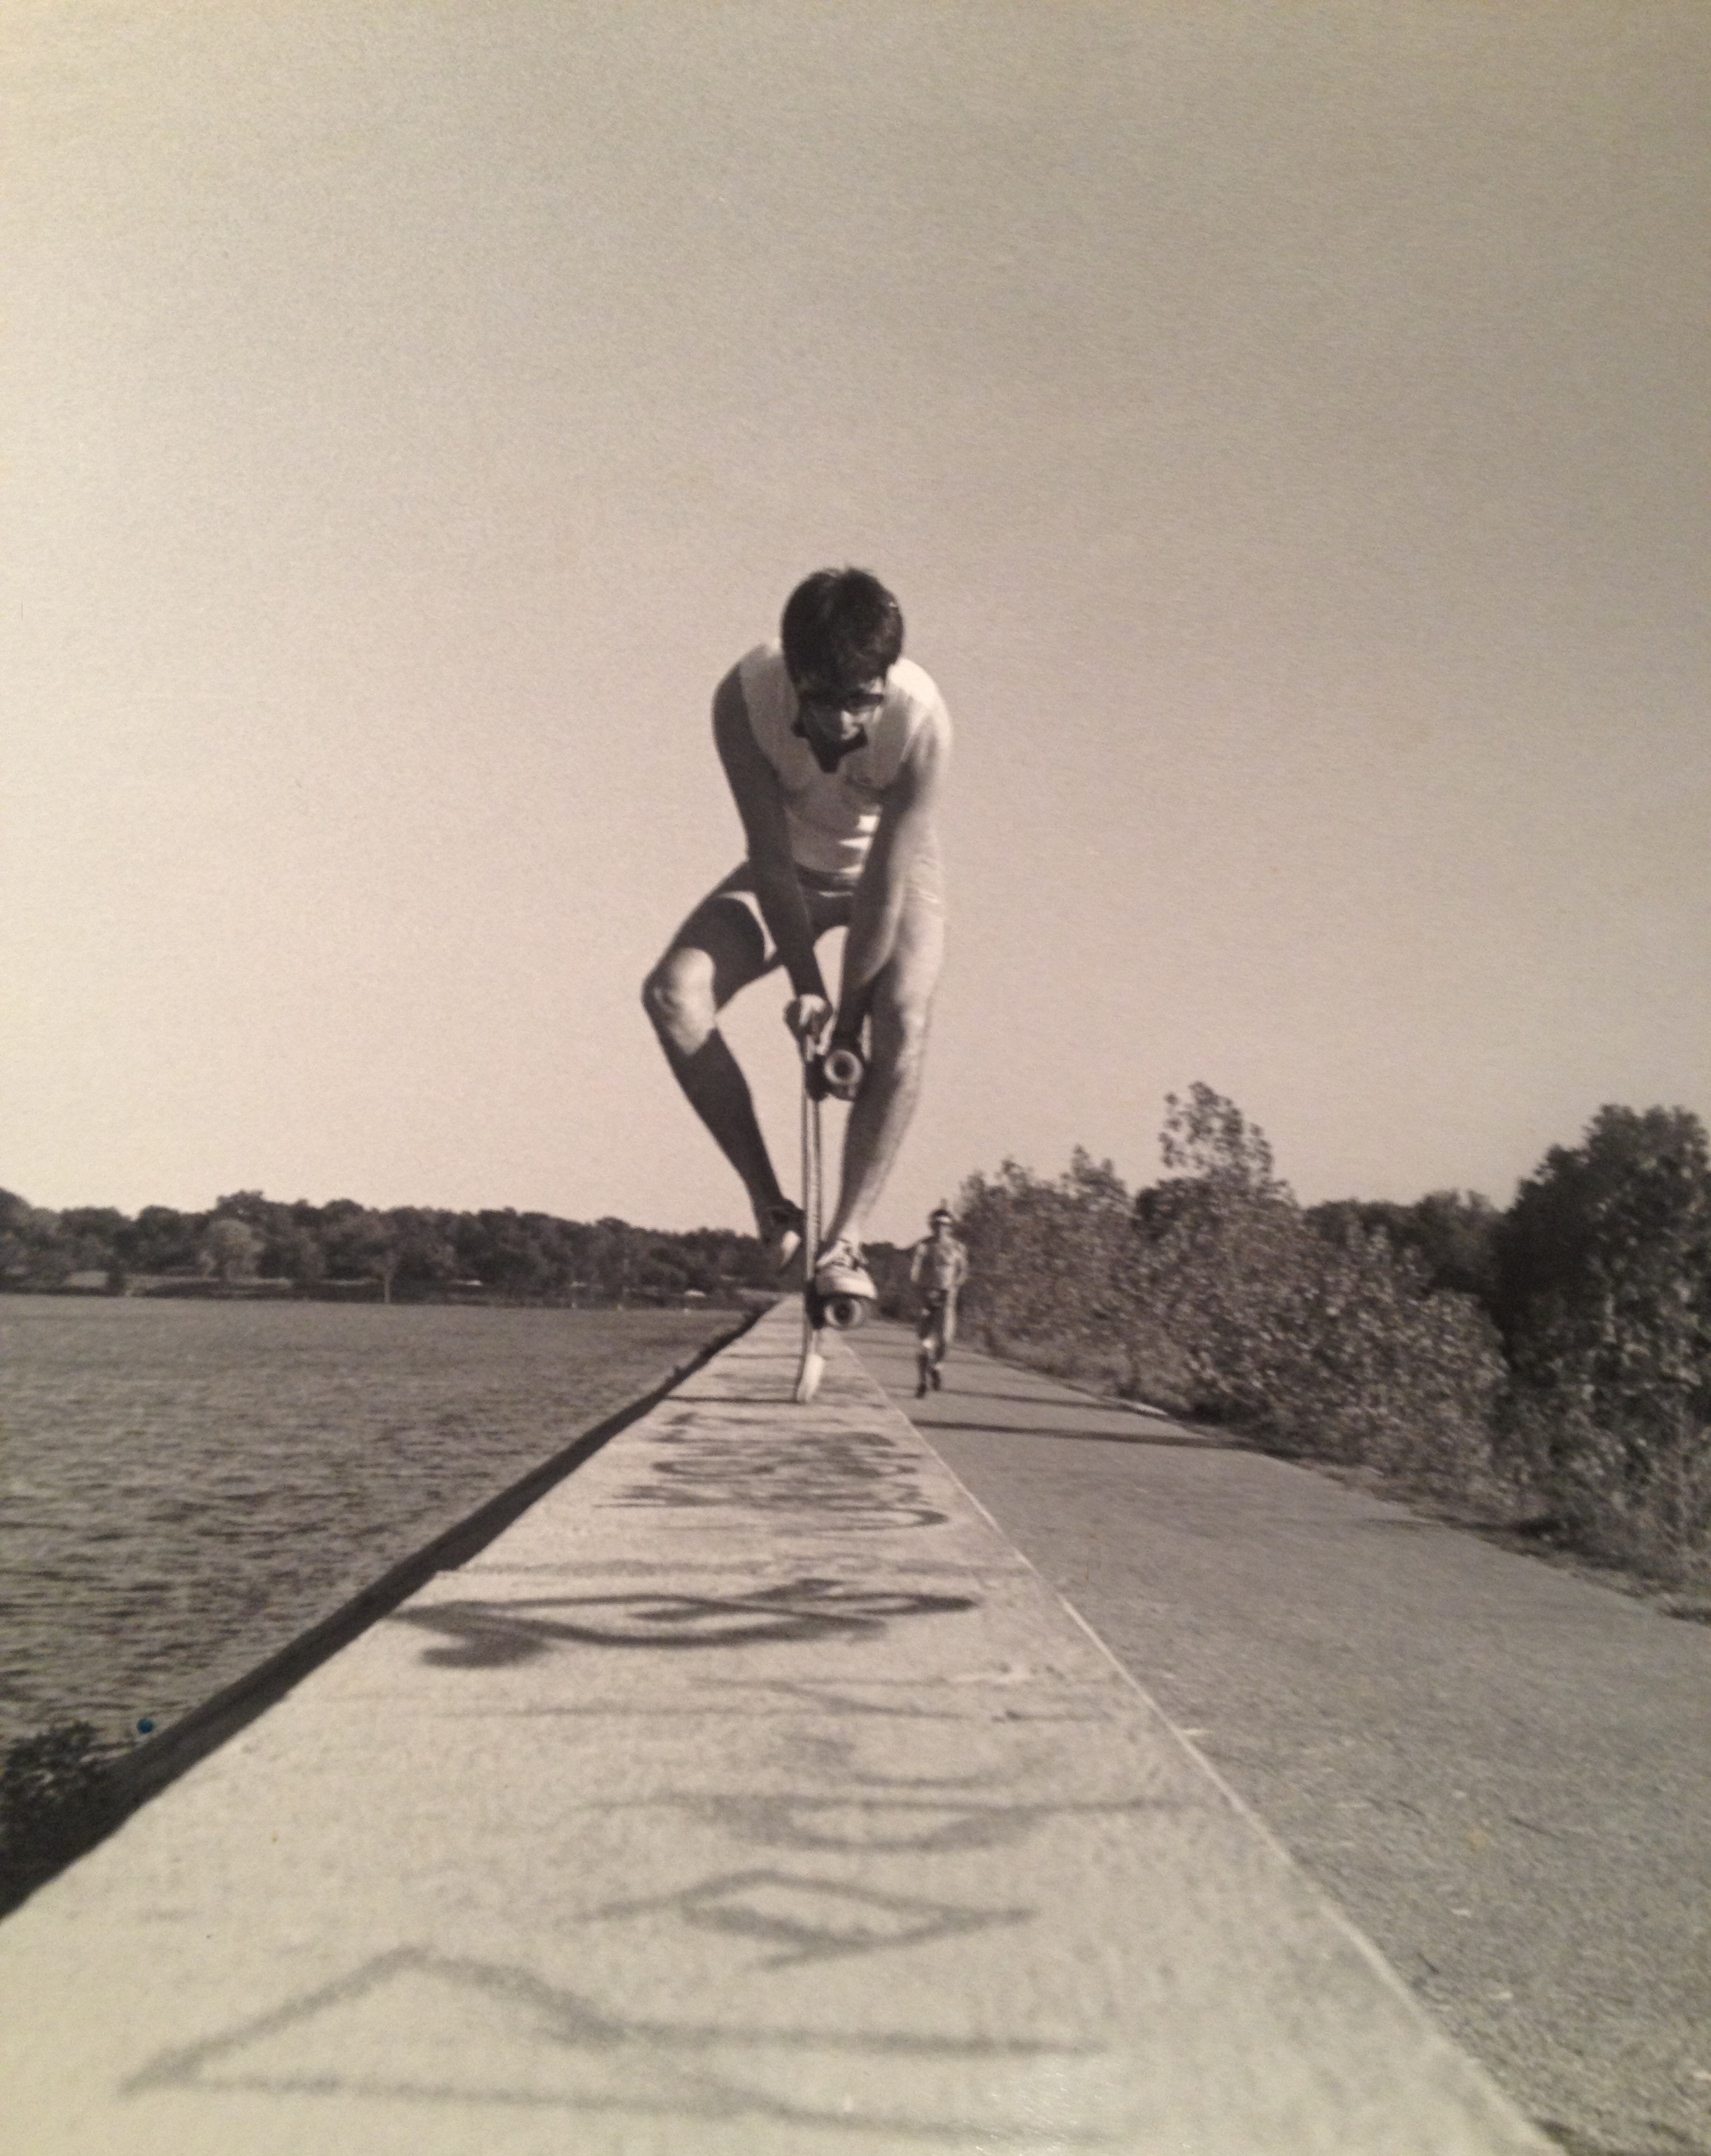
(719, 950)
(902, 1000)
(943, 1333)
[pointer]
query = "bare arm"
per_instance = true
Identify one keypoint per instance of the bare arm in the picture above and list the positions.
(905, 831)
(754, 787)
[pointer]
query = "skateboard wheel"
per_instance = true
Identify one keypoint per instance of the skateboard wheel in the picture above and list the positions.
(844, 1070)
(846, 1312)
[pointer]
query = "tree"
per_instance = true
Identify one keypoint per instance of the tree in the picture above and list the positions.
(33, 1253)
(1208, 1139)
(361, 1244)
(92, 1235)
(1604, 1293)
(426, 1252)
(1209, 1293)
(162, 1240)
(1455, 1233)
(296, 1255)
(1451, 1234)
(1044, 1255)
(230, 1249)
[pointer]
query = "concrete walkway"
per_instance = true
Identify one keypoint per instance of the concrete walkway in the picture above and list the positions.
(1500, 1769)
(750, 1793)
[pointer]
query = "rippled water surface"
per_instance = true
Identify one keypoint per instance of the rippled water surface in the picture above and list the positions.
(184, 1486)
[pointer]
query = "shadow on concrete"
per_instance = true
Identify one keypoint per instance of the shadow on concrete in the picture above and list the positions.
(1122, 1409)
(1580, 2144)
(929, 1423)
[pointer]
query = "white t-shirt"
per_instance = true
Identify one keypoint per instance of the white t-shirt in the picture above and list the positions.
(832, 815)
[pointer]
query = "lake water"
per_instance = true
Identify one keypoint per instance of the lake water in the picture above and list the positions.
(185, 1486)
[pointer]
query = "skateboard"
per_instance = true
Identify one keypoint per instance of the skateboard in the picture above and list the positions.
(838, 1075)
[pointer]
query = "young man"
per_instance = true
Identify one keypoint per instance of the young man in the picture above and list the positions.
(835, 748)
(938, 1264)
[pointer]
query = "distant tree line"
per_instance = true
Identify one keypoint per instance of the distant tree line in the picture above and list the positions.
(1557, 1354)
(247, 1243)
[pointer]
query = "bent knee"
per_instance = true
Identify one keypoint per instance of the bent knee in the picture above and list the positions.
(678, 998)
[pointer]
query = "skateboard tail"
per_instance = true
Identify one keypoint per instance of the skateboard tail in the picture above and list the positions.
(809, 1376)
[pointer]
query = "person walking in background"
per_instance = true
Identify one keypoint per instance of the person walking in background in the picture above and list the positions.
(938, 1264)
(834, 746)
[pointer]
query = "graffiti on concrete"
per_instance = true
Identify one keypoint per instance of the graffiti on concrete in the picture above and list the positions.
(852, 1825)
(487, 1635)
(853, 1807)
(813, 1919)
(863, 1479)
(854, 1699)
(544, 2046)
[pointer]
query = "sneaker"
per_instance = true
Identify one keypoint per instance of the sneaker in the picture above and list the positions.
(843, 1271)
(779, 1226)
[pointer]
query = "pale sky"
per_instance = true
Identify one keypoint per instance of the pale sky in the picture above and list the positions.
(1286, 428)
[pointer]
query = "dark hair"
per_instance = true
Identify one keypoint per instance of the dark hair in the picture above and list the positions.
(841, 627)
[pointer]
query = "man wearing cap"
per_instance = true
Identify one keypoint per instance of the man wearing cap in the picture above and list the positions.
(834, 746)
(938, 1264)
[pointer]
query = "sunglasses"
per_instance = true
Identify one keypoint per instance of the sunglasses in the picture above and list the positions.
(818, 697)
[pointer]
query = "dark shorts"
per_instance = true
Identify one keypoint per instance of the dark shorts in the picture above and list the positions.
(934, 1302)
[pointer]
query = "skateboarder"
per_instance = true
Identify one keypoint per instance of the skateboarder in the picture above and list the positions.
(938, 1264)
(834, 746)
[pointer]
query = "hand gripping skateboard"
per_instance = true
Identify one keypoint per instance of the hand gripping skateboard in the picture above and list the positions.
(838, 1074)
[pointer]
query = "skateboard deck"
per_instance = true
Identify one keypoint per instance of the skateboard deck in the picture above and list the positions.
(821, 1075)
